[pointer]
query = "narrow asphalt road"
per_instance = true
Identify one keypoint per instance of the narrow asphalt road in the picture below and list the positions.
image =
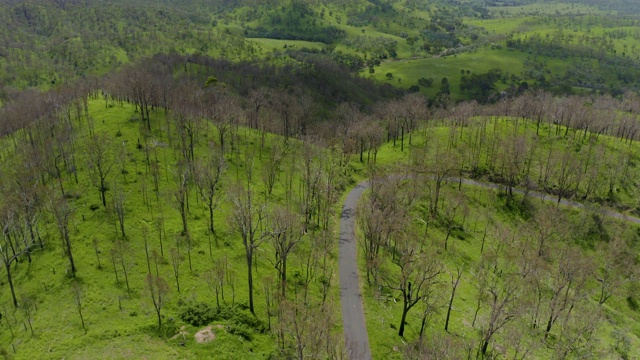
(355, 329)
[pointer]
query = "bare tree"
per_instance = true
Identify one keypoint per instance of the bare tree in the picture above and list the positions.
(451, 211)
(96, 248)
(29, 308)
(285, 234)
(176, 259)
(436, 170)
(181, 194)
(119, 199)
(307, 331)
(224, 115)
(246, 220)
(435, 347)
(62, 212)
(216, 278)
(76, 290)
(455, 281)
(503, 290)
(381, 216)
(567, 171)
(616, 267)
(100, 162)
(416, 271)
(207, 176)
(568, 284)
(136, 84)
(158, 290)
(577, 336)
(121, 253)
(546, 227)
(271, 168)
(8, 248)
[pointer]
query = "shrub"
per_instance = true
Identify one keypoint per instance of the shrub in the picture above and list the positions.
(240, 330)
(198, 314)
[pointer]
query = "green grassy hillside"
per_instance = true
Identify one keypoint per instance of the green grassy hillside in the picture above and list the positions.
(119, 318)
(473, 227)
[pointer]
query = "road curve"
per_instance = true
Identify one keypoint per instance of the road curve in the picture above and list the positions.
(548, 197)
(355, 329)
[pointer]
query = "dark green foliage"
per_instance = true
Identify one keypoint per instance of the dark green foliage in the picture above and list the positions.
(198, 314)
(371, 14)
(480, 86)
(242, 322)
(69, 39)
(425, 82)
(516, 207)
(327, 34)
(240, 330)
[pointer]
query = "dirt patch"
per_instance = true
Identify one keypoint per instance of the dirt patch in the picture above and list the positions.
(182, 333)
(205, 335)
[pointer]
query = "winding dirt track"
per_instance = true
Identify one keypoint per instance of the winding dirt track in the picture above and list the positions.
(355, 330)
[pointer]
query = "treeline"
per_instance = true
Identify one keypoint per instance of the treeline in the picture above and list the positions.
(316, 76)
(325, 34)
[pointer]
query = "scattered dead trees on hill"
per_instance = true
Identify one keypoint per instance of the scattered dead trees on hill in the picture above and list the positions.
(381, 217)
(396, 261)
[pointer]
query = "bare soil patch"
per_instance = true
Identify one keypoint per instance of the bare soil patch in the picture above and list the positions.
(205, 335)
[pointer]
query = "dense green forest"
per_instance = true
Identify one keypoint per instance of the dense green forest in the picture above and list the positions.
(173, 174)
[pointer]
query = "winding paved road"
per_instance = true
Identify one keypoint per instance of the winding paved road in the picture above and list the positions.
(355, 330)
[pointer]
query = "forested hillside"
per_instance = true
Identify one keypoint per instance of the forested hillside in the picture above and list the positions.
(172, 175)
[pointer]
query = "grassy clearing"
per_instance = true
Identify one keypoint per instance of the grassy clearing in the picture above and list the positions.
(407, 72)
(275, 44)
(506, 25)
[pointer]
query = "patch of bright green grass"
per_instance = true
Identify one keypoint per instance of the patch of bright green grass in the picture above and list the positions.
(407, 72)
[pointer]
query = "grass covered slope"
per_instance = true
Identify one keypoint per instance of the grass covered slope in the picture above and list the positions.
(513, 253)
(119, 318)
